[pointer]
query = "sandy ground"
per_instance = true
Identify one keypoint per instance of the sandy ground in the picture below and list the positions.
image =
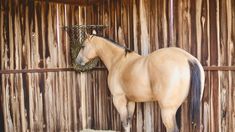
(90, 130)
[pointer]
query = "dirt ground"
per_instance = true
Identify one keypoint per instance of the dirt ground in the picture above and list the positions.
(90, 130)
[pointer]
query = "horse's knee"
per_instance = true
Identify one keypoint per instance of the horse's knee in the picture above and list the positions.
(120, 102)
(131, 110)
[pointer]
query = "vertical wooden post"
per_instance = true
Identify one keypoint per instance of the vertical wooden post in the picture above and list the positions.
(83, 77)
(213, 13)
(230, 5)
(171, 22)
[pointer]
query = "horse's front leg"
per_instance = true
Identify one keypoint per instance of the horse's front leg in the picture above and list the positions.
(131, 110)
(120, 102)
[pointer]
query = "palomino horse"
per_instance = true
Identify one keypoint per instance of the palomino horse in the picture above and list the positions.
(165, 75)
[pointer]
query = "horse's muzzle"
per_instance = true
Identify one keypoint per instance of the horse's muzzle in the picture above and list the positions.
(80, 61)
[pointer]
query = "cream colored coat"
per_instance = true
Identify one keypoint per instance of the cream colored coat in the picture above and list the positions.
(162, 76)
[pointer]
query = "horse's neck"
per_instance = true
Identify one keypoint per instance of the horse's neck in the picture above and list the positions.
(108, 52)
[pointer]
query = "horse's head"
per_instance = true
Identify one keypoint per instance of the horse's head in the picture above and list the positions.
(87, 52)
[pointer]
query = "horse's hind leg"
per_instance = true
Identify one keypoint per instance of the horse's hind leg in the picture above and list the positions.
(168, 118)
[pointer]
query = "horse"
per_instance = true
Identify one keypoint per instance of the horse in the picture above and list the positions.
(166, 75)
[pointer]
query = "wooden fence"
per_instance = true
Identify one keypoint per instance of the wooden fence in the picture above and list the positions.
(31, 37)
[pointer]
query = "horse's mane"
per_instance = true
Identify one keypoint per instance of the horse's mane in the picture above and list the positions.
(127, 50)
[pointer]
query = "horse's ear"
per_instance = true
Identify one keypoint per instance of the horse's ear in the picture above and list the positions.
(88, 36)
(121, 38)
(94, 32)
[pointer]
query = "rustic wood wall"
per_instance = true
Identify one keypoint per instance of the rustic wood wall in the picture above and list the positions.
(31, 37)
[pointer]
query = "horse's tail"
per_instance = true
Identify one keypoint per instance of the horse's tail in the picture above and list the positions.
(196, 80)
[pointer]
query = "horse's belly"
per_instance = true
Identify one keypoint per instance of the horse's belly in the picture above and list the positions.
(141, 98)
(140, 94)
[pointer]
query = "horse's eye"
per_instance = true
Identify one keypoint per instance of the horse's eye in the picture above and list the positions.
(83, 46)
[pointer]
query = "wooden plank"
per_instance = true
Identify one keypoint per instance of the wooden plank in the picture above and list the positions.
(83, 78)
(72, 2)
(223, 58)
(18, 59)
(231, 43)
(4, 56)
(205, 48)
(50, 91)
(1, 77)
(152, 26)
(214, 108)
(183, 31)
(12, 94)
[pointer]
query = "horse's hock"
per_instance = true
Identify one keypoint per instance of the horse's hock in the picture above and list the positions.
(77, 34)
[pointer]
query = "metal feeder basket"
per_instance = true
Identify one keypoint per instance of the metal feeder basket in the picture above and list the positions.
(77, 34)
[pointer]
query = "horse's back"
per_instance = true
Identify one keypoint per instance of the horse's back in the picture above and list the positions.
(171, 54)
(168, 59)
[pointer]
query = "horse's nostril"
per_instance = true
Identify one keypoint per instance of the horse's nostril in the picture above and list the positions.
(80, 61)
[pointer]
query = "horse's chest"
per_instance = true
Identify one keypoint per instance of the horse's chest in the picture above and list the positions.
(115, 86)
